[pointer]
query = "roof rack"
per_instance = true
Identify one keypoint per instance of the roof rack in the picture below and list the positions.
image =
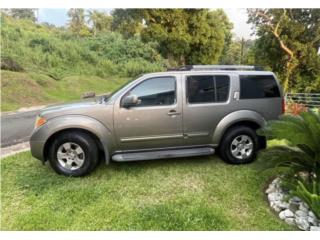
(216, 67)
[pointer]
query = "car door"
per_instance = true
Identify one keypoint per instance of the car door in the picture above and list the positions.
(206, 102)
(156, 121)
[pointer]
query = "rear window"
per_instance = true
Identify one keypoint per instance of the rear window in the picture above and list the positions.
(258, 86)
(208, 88)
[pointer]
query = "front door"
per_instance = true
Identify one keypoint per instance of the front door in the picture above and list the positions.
(156, 121)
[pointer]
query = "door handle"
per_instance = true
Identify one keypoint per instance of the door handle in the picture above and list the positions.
(173, 112)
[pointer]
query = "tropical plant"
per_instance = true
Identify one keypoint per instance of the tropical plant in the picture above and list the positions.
(310, 194)
(295, 108)
(298, 161)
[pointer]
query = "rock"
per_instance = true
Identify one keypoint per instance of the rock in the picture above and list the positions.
(270, 189)
(311, 214)
(295, 199)
(313, 221)
(300, 213)
(286, 214)
(304, 207)
(313, 228)
(274, 196)
(302, 223)
(290, 221)
(293, 206)
(283, 205)
(277, 209)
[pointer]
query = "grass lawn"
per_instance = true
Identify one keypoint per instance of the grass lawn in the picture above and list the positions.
(176, 194)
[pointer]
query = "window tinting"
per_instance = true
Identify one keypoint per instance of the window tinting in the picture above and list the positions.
(156, 91)
(207, 89)
(258, 86)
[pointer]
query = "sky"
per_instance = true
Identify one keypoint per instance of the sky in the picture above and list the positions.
(237, 16)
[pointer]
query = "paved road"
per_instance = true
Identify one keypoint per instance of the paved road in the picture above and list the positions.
(17, 127)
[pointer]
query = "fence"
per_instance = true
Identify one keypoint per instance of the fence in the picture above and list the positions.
(310, 100)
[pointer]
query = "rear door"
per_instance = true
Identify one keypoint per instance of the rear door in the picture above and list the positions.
(206, 101)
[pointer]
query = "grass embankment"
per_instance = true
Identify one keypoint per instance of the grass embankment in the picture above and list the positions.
(48, 64)
(30, 89)
(175, 194)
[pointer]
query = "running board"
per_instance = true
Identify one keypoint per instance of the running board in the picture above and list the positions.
(160, 154)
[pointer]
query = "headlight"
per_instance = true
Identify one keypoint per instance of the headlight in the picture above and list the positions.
(39, 121)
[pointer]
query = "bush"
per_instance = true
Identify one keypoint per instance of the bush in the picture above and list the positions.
(40, 48)
(298, 162)
(133, 68)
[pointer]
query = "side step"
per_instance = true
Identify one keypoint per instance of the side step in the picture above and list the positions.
(160, 154)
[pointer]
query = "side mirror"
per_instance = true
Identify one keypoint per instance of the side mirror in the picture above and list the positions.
(130, 101)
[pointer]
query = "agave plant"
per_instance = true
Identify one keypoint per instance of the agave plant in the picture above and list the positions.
(297, 162)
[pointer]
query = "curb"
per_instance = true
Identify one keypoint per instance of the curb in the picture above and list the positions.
(14, 149)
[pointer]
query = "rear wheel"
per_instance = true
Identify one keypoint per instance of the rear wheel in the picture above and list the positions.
(73, 154)
(239, 145)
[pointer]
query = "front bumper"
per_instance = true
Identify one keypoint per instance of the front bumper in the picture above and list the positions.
(37, 145)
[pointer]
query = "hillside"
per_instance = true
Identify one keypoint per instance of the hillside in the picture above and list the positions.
(42, 64)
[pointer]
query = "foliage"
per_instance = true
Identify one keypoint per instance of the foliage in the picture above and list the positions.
(22, 13)
(184, 36)
(101, 22)
(295, 108)
(310, 195)
(299, 160)
(128, 22)
(288, 42)
(57, 53)
(77, 22)
(237, 53)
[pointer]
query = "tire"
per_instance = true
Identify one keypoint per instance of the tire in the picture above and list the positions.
(235, 147)
(73, 154)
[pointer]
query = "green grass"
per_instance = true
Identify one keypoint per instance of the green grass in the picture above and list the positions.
(175, 194)
(30, 89)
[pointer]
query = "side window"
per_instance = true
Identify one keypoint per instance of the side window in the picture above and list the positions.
(156, 91)
(258, 86)
(208, 89)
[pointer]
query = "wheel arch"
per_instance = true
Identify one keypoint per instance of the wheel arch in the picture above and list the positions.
(248, 118)
(54, 127)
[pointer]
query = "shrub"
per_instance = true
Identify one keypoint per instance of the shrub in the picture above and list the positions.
(298, 162)
(295, 108)
(133, 68)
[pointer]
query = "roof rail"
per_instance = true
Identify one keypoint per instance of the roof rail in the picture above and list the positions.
(216, 67)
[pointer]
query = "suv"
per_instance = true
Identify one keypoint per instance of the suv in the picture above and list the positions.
(191, 111)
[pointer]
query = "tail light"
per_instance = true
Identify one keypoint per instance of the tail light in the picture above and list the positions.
(283, 106)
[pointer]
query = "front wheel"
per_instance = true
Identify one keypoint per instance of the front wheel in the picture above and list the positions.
(73, 154)
(239, 145)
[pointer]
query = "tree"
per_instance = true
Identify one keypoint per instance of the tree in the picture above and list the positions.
(184, 36)
(23, 13)
(210, 32)
(289, 40)
(238, 52)
(77, 22)
(128, 22)
(101, 22)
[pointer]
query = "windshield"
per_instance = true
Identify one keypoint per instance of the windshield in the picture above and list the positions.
(108, 97)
